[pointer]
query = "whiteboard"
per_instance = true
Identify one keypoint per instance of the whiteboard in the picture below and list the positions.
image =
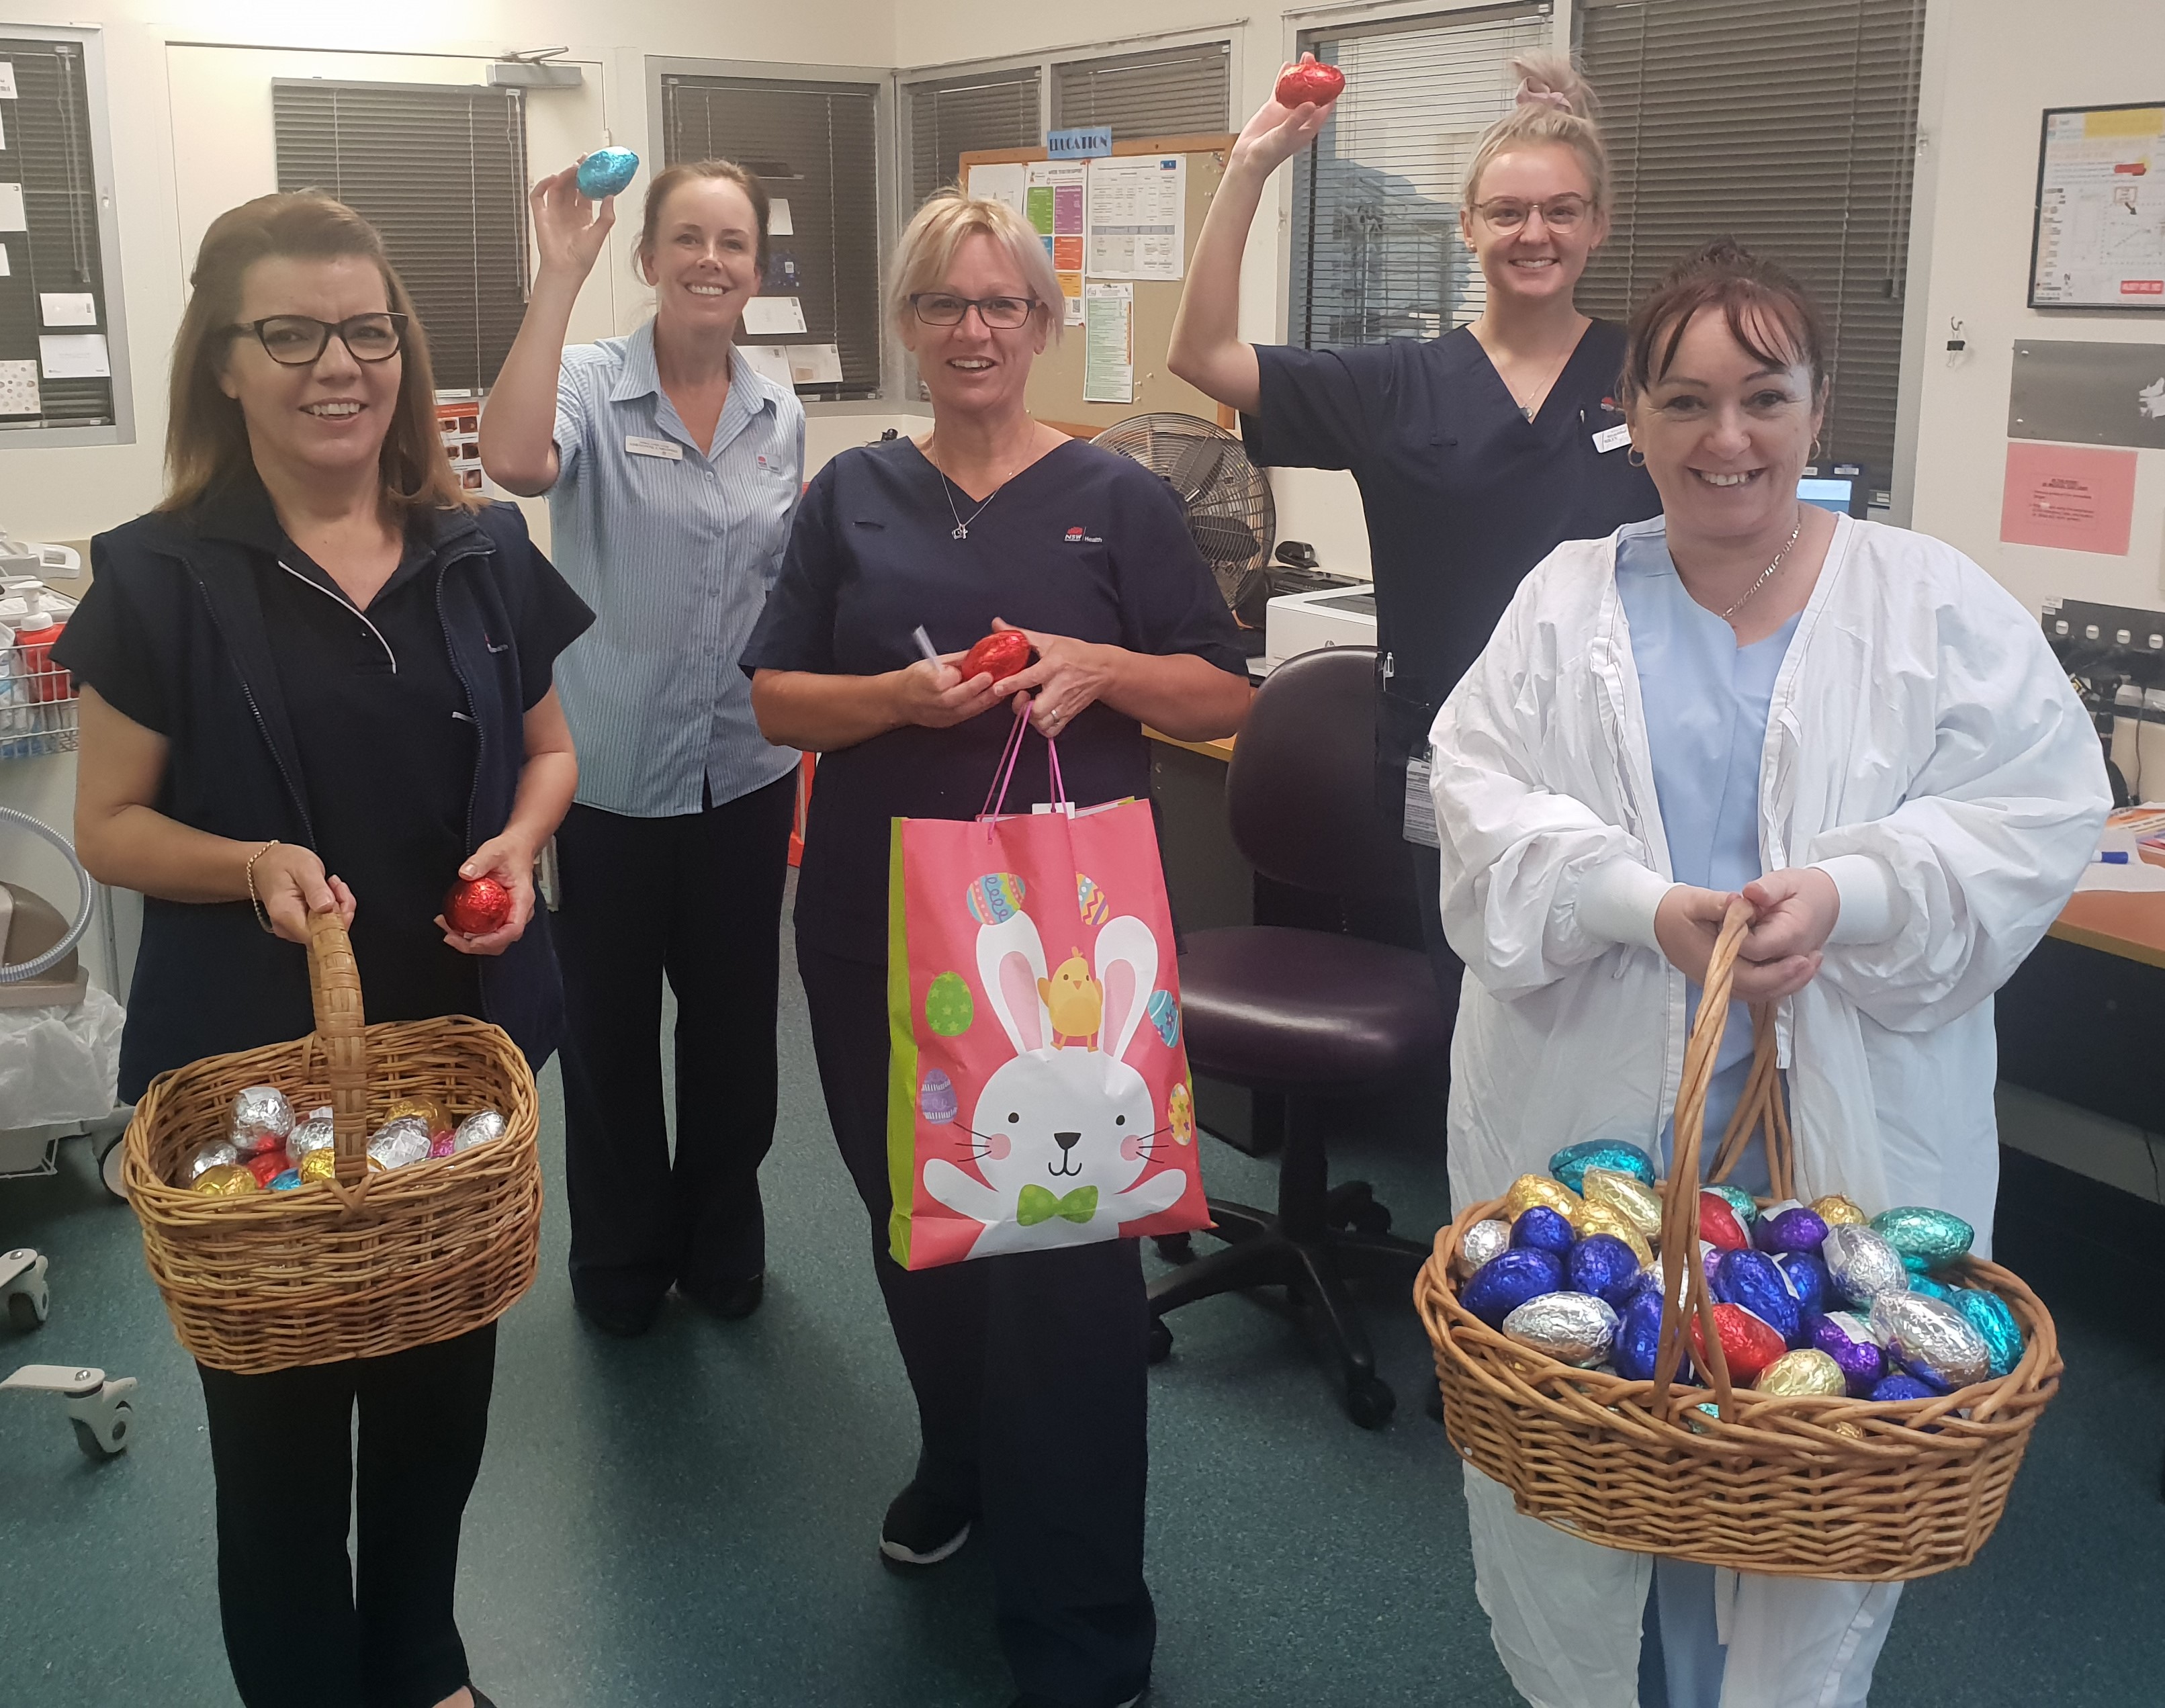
(2099, 237)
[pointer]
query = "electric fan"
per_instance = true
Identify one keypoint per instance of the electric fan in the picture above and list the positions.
(1228, 500)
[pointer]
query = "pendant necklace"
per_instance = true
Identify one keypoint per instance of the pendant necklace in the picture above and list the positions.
(1766, 574)
(962, 523)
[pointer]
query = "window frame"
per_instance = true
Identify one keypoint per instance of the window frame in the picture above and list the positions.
(887, 174)
(91, 39)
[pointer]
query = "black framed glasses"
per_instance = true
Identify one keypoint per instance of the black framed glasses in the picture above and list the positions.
(1563, 213)
(939, 308)
(296, 340)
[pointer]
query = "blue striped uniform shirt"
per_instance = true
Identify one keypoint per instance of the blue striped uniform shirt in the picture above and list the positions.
(674, 545)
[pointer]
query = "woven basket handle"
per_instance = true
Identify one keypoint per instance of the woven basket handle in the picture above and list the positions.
(1760, 1108)
(334, 986)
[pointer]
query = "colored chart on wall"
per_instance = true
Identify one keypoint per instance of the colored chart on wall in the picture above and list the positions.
(2099, 239)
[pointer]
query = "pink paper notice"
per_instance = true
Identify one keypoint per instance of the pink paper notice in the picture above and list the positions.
(2073, 496)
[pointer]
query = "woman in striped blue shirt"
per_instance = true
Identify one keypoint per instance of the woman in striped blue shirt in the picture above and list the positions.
(673, 472)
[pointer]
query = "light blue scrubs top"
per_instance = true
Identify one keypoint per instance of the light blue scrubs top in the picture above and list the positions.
(1706, 700)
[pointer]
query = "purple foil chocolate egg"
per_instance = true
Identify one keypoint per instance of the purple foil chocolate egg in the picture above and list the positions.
(1799, 1229)
(1602, 1265)
(1505, 1283)
(1539, 1228)
(1847, 1340)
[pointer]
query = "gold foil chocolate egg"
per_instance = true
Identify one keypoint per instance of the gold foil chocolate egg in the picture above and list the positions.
(1808, 1371)
(1481, 1241)
(1628, 1196)
(226, 1181)
(1599, 1218)
(426, 1110)
(321, 1164)
(1530, 1190)
(1837, 1211)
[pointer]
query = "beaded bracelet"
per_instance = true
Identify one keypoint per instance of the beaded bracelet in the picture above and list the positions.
(262, 918)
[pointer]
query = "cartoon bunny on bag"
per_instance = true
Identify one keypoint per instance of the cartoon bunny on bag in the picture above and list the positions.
(1039, 1094)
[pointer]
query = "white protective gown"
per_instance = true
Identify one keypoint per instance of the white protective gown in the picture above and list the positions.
(1918, 719)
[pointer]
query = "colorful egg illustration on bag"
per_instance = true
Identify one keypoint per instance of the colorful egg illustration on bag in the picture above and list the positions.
(948, 1007)
(1164, 1015)
(1180, 1116)
(1090, 902)
(995, 898)
(936, 1099)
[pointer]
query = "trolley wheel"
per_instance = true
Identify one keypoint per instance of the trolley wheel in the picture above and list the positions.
(26, 1310)
(1161, 1341)
(1369, 1402)
(110, 1162)
(113, 1440)
(1175, 1248)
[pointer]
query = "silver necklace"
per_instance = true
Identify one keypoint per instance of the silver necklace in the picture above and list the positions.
(961, 525)
(1766, 574)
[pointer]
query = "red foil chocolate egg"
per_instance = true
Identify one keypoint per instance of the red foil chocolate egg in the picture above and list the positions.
(1748, 1344)
(1718, 1225)
(1309, 84)
(1003, 653)
(476, 905)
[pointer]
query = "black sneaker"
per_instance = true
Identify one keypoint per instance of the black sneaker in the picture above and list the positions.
(735, 1302)
(624, 1322)
(921, 1529)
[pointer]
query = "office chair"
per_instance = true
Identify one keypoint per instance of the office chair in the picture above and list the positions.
(1308, 1014)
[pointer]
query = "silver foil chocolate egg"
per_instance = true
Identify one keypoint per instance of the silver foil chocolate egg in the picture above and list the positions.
(1572, 1328)
(1862, 1264)
(1481, 1241)
(1927, 1239)
(398, 1142)
(1931, 1340)
(312, 1134)
(477, 1129)
(262, 1118)
(217, 1154)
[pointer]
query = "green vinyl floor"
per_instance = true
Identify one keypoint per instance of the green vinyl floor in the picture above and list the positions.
(690, 1519)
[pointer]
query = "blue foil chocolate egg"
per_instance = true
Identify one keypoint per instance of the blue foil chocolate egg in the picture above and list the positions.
(288, 1178)
(1793, 1230)
(1619, 1156)
(1862, 1265)
(1505, 1282)
(1847, 1340)
(1602, 1265)
(1985, 1312)
(1745, 1206)
(1574, 1328)
(1927, 1239)
(1898, 1386)
(1806, 1274)
(1539, 1228)
(606, 172)
(1639, 1337)
(1931, 1340)
(1750, 1279)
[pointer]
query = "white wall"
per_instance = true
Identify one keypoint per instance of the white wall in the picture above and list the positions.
(1993, 67)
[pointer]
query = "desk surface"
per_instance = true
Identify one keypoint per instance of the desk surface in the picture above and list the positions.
(1220, 749)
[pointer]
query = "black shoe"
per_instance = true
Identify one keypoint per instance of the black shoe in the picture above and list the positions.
(921, 1529)
(625, 1321)
(735, 1302)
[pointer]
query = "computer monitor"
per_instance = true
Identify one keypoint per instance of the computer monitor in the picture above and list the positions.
(1835, 492)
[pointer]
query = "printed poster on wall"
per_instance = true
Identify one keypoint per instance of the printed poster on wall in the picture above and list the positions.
(2075, 496)
(1056, 195)
(1137, 214)
(1108, 344)
(2100, 241)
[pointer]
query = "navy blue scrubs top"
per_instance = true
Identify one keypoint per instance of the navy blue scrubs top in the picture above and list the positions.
(1082, 543)
(1463, 494)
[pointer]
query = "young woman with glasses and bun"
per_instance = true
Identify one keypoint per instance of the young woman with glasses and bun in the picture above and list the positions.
(1028, 1369)
(1477, 452)
(317, 677)
(672, 470)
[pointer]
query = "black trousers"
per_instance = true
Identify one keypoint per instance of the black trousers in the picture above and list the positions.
(306, 1627)
(1449, 969)
(695, 898)
(1031, 1371)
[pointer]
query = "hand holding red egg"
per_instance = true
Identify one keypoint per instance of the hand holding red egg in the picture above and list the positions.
(476, 905)
(1003, 653)
(1311, 83)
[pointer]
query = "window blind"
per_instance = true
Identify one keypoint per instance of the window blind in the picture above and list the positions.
(1168, 91)
(455, 230)
(814, 145)
(47, 154)
(1790, 128)
(1375, 250)
(950, 117)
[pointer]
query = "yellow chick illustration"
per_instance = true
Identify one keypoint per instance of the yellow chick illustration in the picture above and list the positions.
(1075, 1000)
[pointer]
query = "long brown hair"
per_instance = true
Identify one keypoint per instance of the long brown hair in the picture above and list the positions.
(1771, 316)
(206, 436)
(684, 173)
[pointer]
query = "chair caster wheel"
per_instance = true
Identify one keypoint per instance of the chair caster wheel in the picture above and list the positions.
(1175, 1248)
(1372, 1217)
(1345, 1202)
(109, 1437)
(1369, 1402)
(1161, 1341)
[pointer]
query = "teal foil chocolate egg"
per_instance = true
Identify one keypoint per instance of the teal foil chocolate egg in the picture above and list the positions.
(1572, 1328)
(1989, 1315)
(1602, 1265)
(1618, 1155)
(606, 172)
(1931, 1287)
(1862, 1265)
(1506, 1281)
(1539, 1228)
(1927, 1239)
(1742, 1202)
(1931, 1340)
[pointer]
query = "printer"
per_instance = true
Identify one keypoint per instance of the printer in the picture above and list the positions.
(1294, 623)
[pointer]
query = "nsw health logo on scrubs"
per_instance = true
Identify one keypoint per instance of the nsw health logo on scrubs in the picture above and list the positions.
(1075, 536)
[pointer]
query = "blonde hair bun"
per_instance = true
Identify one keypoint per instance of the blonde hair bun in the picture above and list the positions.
(1553, 106)
(1551, 79)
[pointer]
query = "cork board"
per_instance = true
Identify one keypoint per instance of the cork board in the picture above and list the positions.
(1055, 380)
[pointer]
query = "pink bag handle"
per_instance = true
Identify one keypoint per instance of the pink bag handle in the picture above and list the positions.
(996, 798)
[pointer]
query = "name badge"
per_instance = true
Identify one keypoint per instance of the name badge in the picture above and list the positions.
(654, 448)
(1611, 438)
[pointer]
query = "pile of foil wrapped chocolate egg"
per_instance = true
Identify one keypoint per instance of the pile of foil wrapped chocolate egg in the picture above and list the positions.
(1809, 1299)
(268, 1148)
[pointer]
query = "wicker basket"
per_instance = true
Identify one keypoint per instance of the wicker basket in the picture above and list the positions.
(1811, 1487)
(367, 1264)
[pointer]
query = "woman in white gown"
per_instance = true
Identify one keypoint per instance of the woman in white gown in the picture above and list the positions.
(1857, 729)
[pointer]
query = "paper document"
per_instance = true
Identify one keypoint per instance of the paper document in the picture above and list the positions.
(1005, 182)
(770, 362)
(7, 79)
(1136, 216)
(2128, 871)
(1109, 343)
(67, 307)
(814, 364)
(12, 217)
(771, 317)
(78, 355)
(1057, 190)
(19, 389)
(778, 221)
(5, 270)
